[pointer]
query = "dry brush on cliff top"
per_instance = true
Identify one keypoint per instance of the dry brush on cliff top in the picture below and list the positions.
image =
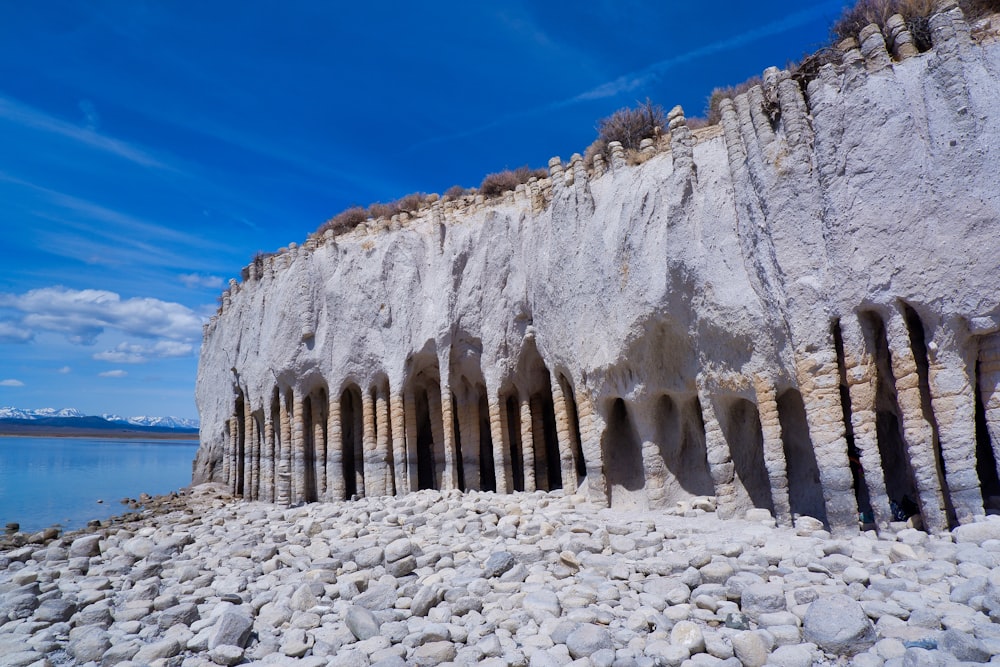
(630, 125)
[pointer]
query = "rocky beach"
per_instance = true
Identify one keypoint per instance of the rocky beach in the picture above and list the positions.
(536, 579)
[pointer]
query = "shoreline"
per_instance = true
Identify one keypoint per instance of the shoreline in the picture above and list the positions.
(99, 434)
(198, 578)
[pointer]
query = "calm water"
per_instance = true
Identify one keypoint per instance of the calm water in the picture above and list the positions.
(59, 480)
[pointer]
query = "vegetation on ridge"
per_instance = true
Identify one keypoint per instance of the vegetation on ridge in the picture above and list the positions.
(630, 126)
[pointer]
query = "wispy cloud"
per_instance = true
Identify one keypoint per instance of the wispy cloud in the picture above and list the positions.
(112, 374)
(131, 353)
(196, 280)
(11, 383)
(12, 333)
(26, 116)
(82, 315)
(65, 370)
(630, 81)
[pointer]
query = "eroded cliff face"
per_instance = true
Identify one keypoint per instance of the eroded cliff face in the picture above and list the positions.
(813, 281)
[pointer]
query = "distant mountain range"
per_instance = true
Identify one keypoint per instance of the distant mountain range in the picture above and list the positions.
(18, 419)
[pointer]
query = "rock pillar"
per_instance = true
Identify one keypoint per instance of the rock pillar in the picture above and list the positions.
(566, 435)
(989, 388)
(774, 449)
(267, 462)
(917, 431)
(720, 463)
(228, 448)
(410, 414)
(283, 490)
(861, 375)
(468, 426)
(541, 462)
(501, 441)
(298, 449)
(369, 445)
(592, 427)
(336, 488)
(248, 429)
(450, 478)
(318, 410)
(383, 431)
(527, 444)
(437, 435)
(819, 382)
(952, 381)
(399, 457)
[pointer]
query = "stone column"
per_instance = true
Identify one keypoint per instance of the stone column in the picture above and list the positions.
(283, 494)
(267, 461)
(228, 445)
(370, 444)
(501, 440)
(468, 426)
(437, 435)
(538, 438)
(450, 478)
(989, 388)
(566, 435)
(258, 442)
(654, 468)
(917, 431)
(527, 443)
(335, 485)
(819, 381)
(383, 441)
(774, 449)
(592, 427)
(410, 415)
(298, 449)
(248, 430)
(319, 446)
(860, 369)
(720, 463)
(398, 442)
(952, 381)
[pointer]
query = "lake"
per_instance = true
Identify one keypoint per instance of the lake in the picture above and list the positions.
(44, 481)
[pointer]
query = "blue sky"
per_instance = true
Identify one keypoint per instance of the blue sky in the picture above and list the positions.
(149, 149)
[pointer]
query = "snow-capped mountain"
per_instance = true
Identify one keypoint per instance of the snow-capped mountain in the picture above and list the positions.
(162, 422)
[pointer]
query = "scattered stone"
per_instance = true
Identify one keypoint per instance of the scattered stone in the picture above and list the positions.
(232, 629)
(838, 625)
(361, 622)
(588, 639)
(498, 563)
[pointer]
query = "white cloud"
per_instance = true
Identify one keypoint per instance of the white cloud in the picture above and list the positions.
(112, 374)
(11, 383)
(64, 370)
(82, 315)
(27, 116)
(194, 280)
(10, 333)
(131, 353)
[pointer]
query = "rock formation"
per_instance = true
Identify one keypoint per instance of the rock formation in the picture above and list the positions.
(796, 310)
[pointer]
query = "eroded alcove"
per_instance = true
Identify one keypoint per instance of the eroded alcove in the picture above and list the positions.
(741, 428)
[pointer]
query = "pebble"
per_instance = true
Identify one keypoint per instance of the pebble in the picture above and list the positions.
(479, 578)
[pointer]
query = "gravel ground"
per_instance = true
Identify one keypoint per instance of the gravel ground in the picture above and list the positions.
(478, 578)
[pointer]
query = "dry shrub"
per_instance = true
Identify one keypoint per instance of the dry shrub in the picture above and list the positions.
(713, 112)
(494, 185)
(344, 221)
(598, 147)
(808, 68)
(631, 125)
(456, 192)
(411, 202)
(916, 13)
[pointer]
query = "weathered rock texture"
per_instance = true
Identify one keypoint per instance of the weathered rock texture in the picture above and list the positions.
(754, 308)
